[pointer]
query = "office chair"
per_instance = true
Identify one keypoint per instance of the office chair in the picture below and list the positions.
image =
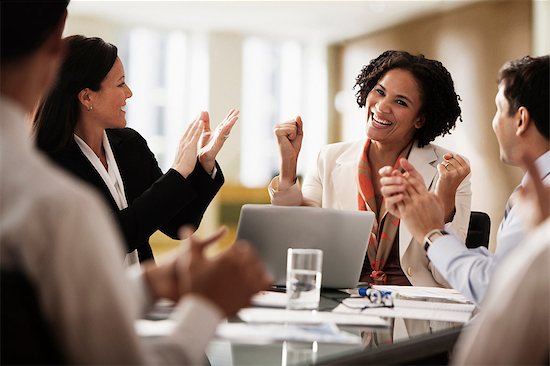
(478, 230)
(26, 336)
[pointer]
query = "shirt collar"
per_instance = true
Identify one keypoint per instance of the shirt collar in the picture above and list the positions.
(543, 166)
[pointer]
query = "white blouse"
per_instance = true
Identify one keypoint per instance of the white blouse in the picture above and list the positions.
(111, 177)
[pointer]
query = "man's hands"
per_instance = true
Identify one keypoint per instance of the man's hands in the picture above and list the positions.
(289, 137)
(407, 197)
(228, 280)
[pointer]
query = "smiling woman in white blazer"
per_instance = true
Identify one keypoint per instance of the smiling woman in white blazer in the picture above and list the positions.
(409, 100)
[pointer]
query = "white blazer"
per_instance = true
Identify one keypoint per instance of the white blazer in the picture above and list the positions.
(332, 183)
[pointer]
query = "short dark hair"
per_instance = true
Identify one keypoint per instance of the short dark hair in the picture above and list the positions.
(87, 62)
(439, 101)
(526, 83)
(26, 24)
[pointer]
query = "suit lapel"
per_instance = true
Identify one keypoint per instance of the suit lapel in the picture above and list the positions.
(346, 167)
(424, 160)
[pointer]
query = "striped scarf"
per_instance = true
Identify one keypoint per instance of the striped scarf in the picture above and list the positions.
(386, 226)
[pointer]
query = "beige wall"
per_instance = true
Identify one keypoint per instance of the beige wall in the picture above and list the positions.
(472, 42)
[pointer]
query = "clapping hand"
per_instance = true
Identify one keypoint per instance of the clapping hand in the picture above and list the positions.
(406, 196)
(186, 156)
(211, 142)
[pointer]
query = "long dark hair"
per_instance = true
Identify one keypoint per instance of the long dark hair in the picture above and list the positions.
(87, 62)
(439, 99)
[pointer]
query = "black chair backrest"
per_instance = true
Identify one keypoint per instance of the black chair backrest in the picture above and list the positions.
(26, 336)
(478, 230)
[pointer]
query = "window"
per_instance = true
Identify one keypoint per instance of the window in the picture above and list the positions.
(168, 74)
(281, 79)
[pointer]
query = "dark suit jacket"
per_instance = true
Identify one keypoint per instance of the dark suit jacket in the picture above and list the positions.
(155, 200)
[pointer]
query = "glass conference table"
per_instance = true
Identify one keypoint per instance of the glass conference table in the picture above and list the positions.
(404, 341)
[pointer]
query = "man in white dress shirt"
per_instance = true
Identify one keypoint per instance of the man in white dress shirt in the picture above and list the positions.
(58, 234)
(521, 125)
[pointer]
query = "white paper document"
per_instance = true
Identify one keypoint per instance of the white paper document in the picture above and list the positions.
(425, 293)
(258, 315)
(255, 333)
(411, 309)
(268, 333)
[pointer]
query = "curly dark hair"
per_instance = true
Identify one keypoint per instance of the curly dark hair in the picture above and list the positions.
(439, 99)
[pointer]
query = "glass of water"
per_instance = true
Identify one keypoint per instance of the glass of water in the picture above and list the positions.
(303, 278)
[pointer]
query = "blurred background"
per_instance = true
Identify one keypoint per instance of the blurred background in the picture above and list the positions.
(273, 60)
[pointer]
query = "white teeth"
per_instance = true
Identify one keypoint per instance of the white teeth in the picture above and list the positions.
(381, 121)
(123, 108)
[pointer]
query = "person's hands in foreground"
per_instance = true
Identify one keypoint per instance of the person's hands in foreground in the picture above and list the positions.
(228, 280)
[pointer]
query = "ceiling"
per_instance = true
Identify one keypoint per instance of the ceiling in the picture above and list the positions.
(324, 21)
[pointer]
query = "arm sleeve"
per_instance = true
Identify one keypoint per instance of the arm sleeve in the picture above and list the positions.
(168, 200)
(163, 200)
(308, 195)
(467, 270)
(458, 226)
(205, 189)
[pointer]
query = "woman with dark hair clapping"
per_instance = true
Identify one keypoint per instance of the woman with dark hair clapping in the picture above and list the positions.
(81, 125)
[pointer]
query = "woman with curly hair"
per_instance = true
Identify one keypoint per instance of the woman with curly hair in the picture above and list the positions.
(409, 100)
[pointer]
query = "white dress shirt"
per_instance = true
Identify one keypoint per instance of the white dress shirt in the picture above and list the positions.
(112, 179)
(59, 234)
(470, 270)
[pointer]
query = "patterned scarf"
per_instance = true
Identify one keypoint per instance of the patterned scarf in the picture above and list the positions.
(386, 226)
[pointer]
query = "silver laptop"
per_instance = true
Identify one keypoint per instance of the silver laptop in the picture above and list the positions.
(341, 235)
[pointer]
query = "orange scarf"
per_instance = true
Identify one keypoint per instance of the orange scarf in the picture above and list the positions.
(385, 228)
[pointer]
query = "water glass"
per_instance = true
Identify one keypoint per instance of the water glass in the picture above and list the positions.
(303, 278)
(299, 353)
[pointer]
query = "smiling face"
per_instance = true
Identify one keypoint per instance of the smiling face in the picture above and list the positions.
(393, 107)
(109, 102)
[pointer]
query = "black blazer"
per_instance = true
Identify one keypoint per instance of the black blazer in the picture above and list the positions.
(155, 200)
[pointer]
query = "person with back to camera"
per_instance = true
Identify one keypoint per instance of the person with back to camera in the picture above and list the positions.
(409, 100)
(81, 125)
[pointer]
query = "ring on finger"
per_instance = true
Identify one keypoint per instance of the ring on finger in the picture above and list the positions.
(446, 164)
(225, 137)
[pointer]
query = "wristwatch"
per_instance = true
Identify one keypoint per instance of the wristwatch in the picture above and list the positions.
(431, 236)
